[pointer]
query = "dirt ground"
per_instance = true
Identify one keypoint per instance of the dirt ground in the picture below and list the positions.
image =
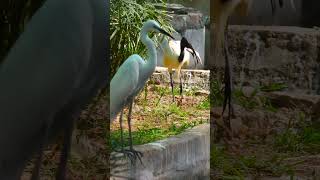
(93, 125)
(266, 145)
(154, 111)
(157, 110)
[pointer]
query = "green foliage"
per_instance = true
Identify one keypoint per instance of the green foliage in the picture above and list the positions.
(14, 16)
(251, 102)
(246, 102)
(167, 90)
(143, 136)
(288, 141)
(230, 166)
(266, 103)
(216, 93)
(304, 139)
(224, 164)
(205, 104)
(127, 17)
(274, 87)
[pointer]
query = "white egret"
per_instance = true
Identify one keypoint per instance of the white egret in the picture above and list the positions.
(130, 79)
(177, 55)
(52, 71)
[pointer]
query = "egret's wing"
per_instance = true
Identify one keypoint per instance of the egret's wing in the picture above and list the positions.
(123, 84)
(40, 73)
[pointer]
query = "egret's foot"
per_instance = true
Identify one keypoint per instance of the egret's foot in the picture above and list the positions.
(137, 154)
(132, 154)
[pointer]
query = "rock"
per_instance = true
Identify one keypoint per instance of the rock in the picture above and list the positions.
(251, 119)
(194, 21)
(202, 93)
(248, 91)
(306, 165)
(179, 9)
(179, 22)
(236, 126)
(311, 103)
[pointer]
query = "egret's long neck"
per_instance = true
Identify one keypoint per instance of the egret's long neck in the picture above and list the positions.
(152, 53)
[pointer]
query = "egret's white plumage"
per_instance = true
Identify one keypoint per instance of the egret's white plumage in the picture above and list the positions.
(132, 76)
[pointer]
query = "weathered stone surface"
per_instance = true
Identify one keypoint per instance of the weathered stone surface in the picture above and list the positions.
(198, 79)
(259, 122)
(185, 156)
(202, 93)
(189, 21)
(308, 103)
(176, 8)
(184, 18)
(310, 167)
(248, 91)
(261, 55)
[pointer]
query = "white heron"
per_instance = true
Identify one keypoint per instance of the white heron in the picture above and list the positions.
(131, 77)
(177, 55)
(53, 70)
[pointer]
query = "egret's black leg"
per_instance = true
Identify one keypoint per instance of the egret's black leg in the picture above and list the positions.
(171, 83)
(227, 81)
(37, 166)
(181, 86)
(137, 154)
(61, 173)
(127, 153)
(121, 131)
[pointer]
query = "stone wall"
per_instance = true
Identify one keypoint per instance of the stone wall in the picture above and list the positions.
(198, 79)
(261, 55)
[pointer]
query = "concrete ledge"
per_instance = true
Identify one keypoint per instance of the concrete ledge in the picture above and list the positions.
(185, 156)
